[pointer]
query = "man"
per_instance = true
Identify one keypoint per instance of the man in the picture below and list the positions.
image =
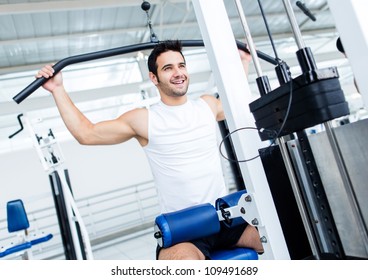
(178, 136)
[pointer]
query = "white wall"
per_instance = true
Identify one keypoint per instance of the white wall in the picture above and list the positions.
(92, 170)
(95, 169)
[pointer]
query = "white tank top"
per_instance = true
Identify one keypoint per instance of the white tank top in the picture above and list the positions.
(183, 155)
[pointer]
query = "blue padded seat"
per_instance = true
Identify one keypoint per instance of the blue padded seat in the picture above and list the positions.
(17, 216)
(235, 254)
(17, 221)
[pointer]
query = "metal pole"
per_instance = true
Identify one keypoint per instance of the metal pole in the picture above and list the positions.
(294, 24)
(250, 42)
(298, 197)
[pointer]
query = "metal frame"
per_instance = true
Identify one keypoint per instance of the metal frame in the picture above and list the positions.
(235, 95)
(52, 160)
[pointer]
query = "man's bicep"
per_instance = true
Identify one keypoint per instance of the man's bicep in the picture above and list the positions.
(113, 131)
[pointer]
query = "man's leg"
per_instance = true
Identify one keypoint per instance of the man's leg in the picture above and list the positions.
(181, 251)
(250, 238)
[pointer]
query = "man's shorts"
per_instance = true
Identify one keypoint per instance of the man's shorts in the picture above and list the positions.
(225, 239)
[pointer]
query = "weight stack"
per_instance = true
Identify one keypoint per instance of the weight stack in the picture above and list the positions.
(317, 97)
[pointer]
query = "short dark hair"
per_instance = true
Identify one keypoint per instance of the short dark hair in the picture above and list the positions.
(162, 47)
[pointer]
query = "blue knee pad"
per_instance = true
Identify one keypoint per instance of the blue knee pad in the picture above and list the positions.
(187, 224)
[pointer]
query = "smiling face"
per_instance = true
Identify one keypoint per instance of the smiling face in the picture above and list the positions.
(172, 78)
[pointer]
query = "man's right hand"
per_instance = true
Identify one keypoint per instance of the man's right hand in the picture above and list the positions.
(47, 71)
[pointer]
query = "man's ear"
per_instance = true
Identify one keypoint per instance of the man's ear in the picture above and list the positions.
(153, 78)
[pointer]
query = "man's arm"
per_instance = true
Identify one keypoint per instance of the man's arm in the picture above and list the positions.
(246, 58)
(125, 127)
(215, 103)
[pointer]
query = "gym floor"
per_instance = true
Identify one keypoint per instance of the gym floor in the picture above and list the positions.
(140, 246)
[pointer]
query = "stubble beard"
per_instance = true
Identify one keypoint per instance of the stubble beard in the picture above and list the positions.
(169, 91)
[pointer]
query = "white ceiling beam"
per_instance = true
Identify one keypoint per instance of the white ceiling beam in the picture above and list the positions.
(138, 28)
(69, 36)
(57, 6)
(38, 103)
(17, 69)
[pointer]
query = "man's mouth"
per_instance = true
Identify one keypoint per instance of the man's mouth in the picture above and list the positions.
(178, 82)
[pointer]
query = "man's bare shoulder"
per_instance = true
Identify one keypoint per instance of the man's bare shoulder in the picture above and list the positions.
(211, 100)
(137, 120)
(209, 97)
(136, 113)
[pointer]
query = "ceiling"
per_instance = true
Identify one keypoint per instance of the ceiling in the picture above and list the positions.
(36, 32)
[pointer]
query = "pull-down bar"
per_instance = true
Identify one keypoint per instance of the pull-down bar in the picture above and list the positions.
(113, 52)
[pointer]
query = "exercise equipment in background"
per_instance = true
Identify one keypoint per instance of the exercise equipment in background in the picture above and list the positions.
(18, 222)
(73, 231)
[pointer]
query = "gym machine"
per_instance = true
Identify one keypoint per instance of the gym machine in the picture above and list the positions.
(277, 118)
(55, 177)
(281, 115)
(74, 234)
(205, 219)
(18, 222)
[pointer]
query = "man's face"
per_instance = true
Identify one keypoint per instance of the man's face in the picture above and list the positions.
(172, 76)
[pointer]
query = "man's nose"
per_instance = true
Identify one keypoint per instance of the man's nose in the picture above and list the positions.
(178, 71)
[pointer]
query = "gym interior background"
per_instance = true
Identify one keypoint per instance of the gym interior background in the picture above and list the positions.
(112, 185)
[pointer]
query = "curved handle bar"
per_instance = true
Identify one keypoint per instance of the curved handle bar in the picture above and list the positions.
(112, 52)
